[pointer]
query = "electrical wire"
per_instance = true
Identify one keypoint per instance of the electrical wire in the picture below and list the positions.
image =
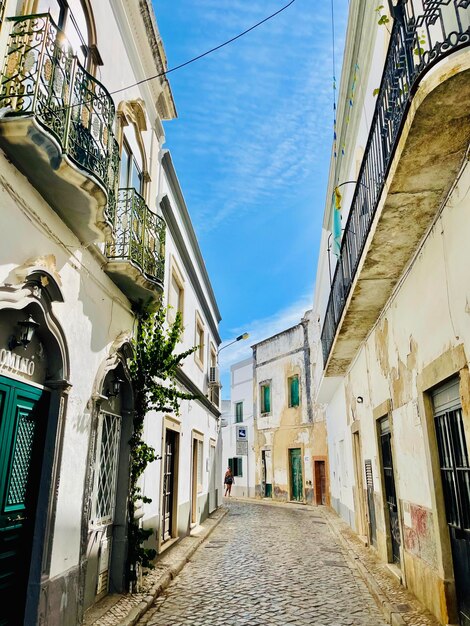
(204, 54)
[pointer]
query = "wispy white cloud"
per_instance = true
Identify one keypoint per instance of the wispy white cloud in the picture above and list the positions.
(260, 329)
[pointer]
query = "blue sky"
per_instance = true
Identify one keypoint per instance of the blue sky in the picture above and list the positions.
(251, 147)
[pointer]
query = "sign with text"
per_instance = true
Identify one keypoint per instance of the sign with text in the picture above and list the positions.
(242, 433)
(242, 448)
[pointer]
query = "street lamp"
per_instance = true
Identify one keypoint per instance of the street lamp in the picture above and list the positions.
(239, 338)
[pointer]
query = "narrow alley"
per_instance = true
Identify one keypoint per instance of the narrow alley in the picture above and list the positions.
(257, 568)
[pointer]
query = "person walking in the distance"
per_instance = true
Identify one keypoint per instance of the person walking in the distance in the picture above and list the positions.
(228, 481)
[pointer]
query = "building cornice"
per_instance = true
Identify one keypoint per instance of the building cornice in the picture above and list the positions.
(183, 210)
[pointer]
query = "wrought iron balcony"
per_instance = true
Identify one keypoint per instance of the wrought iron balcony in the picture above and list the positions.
(423, 34)
(58, 126)
(136, 257)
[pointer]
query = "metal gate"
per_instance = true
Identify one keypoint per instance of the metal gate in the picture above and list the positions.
(370, 502)
(109, 437)
(168, 484)
(455, 475)
(389, 484)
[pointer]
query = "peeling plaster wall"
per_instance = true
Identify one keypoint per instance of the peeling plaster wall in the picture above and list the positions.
(427, 316)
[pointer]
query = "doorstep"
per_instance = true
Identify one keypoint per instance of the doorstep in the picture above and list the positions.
(126, 609)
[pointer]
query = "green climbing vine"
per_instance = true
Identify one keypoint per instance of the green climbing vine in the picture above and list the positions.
(153, 369)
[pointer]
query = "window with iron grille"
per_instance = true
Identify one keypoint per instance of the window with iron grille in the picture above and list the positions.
(109, 434)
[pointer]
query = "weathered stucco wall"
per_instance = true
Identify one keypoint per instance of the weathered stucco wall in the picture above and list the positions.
(285, 427)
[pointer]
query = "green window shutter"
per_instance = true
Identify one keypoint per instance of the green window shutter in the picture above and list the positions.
(230, 464)
(239, 468)
(239, 412)
(267, 398)
(294, 391)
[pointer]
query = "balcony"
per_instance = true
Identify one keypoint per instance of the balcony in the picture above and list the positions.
(58, 126)
(416, 145)
(136, 257)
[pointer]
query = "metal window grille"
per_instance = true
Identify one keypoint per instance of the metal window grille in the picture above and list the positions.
(109, 432)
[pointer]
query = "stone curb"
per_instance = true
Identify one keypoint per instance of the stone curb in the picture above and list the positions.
(391, 614)
(172, 570)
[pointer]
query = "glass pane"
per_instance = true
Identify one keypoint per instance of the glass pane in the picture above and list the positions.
(124, 175)
(136, 176)
(267, 399)
(54, 8)
(108, 464)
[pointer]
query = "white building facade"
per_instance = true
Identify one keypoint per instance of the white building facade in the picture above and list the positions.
(392, 299)
(290, 431)
(83, 183)
(238, 447)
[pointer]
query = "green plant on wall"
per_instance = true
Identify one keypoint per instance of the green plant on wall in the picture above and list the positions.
(153, 370)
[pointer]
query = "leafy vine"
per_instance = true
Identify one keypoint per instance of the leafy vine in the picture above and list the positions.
(153, 369)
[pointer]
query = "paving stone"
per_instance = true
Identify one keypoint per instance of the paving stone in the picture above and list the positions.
(267, 566)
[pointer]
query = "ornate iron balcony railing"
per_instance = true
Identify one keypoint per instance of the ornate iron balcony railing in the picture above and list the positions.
(139, 236)
(43, 77)
(423, 33)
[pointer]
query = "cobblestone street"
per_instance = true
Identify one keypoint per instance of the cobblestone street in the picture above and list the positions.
(267, 566)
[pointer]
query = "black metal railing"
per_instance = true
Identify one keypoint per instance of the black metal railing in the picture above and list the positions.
(43, 77)
(139, 235)
(423, 33)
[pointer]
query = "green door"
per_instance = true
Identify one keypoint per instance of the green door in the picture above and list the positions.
(22, 421)
(295, 458)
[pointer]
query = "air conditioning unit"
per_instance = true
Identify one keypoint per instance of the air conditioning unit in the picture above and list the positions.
(214, 377)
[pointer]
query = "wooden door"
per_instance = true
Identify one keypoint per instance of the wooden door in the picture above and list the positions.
(23, 415)
(295, 456)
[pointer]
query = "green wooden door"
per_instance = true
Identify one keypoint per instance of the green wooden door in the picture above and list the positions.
(22, 421)
(296, 474)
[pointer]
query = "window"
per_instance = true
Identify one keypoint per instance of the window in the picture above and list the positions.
(109, 433)
(175, 293)
(199, 341)
(76, 21)
(131, 171)
(265, 396)
(238, 412)
(294, 395)
(235, 465)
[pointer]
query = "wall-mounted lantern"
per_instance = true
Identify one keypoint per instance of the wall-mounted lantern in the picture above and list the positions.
(27, 330)
(115, 387)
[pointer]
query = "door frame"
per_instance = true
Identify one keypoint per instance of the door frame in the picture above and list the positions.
(451, 363)
(172, 423)
(359, 500)
(316, 460)
(289, 472)
(36, 288)
(385, 510)
(196, 437)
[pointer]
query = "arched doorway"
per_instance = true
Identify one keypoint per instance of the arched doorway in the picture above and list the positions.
(33, 382)
(104, 536)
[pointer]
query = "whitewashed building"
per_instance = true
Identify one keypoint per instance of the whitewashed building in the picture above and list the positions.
(238, 448)
(393, 298)
(289, 428)
(84, 193)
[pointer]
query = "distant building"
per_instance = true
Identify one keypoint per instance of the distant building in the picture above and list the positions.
(238, 451)
(289, 429)
(393, 294)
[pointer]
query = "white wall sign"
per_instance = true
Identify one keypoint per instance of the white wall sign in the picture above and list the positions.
(242, 448)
